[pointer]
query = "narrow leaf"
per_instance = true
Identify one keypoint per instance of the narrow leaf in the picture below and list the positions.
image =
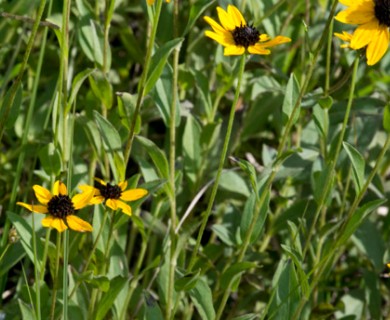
(358, 165)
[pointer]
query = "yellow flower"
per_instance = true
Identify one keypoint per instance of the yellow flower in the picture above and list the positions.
(113, 194)
(60, 207)
(237, 36)
(150, 2)
(345, 36)
(373, 20)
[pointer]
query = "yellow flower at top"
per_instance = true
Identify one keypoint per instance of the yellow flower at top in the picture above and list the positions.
(151, 2)
(373, 20)
(60, 207)
(237, 36)
(113, 194)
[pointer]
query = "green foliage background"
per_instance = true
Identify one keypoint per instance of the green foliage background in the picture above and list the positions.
(302, 263)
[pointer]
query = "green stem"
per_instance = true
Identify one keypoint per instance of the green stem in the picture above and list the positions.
(8, 103)
(169, 313)
(333, 161)
(65, 276)
(281, 147)
(333, 255)
(7, 107)
(141, 84)
(221, 163)
(55, 279)
(36, 271)
(95, 244)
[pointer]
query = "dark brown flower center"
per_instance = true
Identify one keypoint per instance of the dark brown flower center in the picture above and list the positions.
(110, 191)
(245, 36)
(60, 206)
(382, 11)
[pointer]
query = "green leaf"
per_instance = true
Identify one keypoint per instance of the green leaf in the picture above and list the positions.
(358, 165)
(202, 299)
(157, 155)
(101, 88)
(162, 95)
(158, 62)
(191, 149)
(108, 298)
(233, 182)
(195, 12)
(356, 219)
(321, 119)
(126, 108)
(112, 145)
(286, 291)
(76, 85)
(250, 170)
(290, 99)
(187, 281)
(50, 159)
(152, 309)
(320, 178)
(25, 232)
(11, 113)
(386, 118)
(12, 256)
(234, 271)
(247, 217)
(326, 102)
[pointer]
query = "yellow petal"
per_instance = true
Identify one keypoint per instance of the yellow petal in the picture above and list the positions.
(122, 185)
(150, 2)
(234, 50)
(83, 199)
(359, 13)
(124, 206)
(226, 21)
(378, 45)
(53, 222)
(87, 188)
(96, 200)
(236, 15)
(345, 36)
(33, 208)
(274, 42)
(225, 40)
(216, 26)
(349, 3)
(43, 195)
(112, 203)
(363, 34)
(264, 37)
(258, 50)
(102, 182)
(59, 188)
(77, 224)
(133, 194)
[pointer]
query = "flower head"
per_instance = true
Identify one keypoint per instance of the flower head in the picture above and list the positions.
(151, 2)
(373, 20)
(113, 194)
(237, 36)
(60, 207)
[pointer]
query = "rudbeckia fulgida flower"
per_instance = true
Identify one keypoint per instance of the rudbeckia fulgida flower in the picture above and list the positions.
(237, 36)
(373, 20)
(60, 208)
(114, 195)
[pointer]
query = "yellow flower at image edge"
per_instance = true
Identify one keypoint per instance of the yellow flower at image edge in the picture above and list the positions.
(150, 2)
(237, 36)
(373, 20)
(114, 195)
(60, 207)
